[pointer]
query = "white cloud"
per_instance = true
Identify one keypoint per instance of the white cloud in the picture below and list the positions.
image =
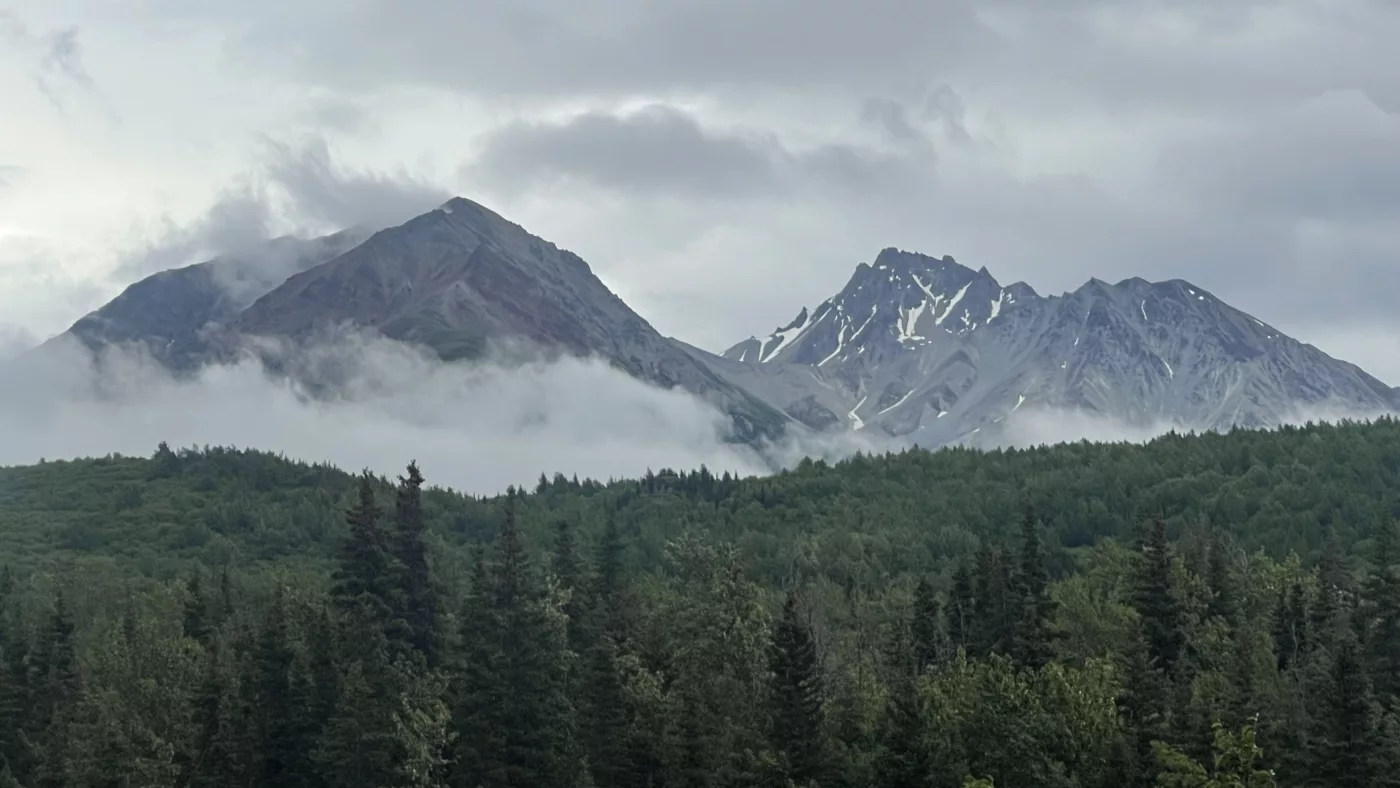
(476, 428)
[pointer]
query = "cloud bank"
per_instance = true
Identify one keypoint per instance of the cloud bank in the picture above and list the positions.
(476, 428)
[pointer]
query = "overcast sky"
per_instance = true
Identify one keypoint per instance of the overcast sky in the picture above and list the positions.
(721, 163)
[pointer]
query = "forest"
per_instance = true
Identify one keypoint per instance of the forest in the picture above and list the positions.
(1212, 611)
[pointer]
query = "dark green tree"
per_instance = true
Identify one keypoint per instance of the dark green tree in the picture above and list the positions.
(216, 761)
(961, 609)
(417, 597)
(1343, 745)
(198, 623)
(54, 695)
(796, 701)
(1382, 599)
(1290, 627)
(1156, 602)
(1034, 634)
(279, 715)
(994, 624)
(925, 628)
(903, 758)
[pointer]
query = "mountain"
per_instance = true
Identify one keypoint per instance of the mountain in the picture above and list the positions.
(452, 280)
(929, 351)
(914, 349)
(170, 312)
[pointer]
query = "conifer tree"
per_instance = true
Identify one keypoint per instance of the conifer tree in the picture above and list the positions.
(961, 609)
(605, 722)
(1343, 744)
(796, 698)
(215, 762)
(363, 579)
(568, 573)
(1224, 600)
(1290, 627)
(1156, 601)
(610, 592)
(198, 625)
(925, 628)
(994, 623)
(903, 758)
(1382, 595)
(1034, 630)
(479, 751)
(517, 722)
(1333, 590)
(55, 688)
(277, 713)
(417, 594)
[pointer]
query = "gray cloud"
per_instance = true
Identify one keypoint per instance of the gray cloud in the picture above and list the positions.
(1247, 146)
(14, 340)
(56, 57)
(9, 175)
(477, 428)
(297, 188)
(662, 151)
(1158, 55)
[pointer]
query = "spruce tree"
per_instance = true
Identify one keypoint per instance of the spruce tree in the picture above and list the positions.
(1034, 630)
(216, 761)
(417, 596)
(961, 609)
(1156, 602)
(1343, 742)
(280, 750)
(903, 758)
(516, 722)
(568, 573)
(1224, 599)
(796, 699)
(479, 752)
(994, 623)
(363, 581)
(1382, 596)
(1290, 627)
(55, 689)
(925, 629)
(198, 625)
(605, 720)
(1333, 591)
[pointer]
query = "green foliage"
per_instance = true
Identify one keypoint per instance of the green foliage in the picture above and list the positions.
(1017, 618)
(1234, 763)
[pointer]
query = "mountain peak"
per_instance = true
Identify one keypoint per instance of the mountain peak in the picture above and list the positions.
(902, 301)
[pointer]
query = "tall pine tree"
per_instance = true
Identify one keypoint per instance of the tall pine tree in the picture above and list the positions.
(1032, 645)
(796, 701)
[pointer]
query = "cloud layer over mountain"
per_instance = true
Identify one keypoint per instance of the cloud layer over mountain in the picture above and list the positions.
(474, 428)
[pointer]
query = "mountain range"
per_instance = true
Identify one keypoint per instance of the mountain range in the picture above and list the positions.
(914, 349)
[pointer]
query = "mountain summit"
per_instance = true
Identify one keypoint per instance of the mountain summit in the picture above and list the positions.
(930, 351)
(902, 302)
(914, 349)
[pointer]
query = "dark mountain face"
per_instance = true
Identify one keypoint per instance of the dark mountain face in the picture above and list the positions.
(452, 280)
(172, 312)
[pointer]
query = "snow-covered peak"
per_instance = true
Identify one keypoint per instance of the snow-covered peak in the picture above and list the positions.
(900, 302)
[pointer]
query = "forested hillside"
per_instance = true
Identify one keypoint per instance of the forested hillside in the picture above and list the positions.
(1083, 615)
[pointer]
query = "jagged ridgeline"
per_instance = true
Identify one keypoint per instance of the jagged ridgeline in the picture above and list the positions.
(913, 350)
(1223, 607)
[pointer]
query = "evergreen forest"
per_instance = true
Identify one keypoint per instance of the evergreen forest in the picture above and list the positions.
(1200, 611)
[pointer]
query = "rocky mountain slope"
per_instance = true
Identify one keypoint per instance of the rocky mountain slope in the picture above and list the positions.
(914, 349)
(170, 312)
(926, 350)
(454, 280)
